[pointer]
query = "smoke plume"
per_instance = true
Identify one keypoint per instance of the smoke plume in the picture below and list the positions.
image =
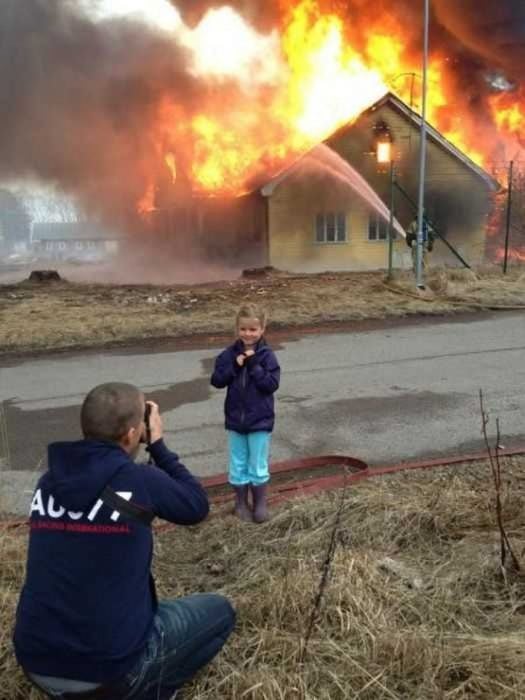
(493, 31)
(77, 100)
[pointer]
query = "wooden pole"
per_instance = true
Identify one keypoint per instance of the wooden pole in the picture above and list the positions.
(509, 217)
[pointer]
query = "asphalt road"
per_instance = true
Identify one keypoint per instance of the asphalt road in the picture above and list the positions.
(393, 392)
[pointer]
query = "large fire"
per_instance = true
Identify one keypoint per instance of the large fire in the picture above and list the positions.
(272, 97)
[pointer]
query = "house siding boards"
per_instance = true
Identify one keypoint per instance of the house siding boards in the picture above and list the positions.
(457, 199)
(292, 211)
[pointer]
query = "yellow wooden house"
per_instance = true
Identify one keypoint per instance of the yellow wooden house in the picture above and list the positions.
(316, 220)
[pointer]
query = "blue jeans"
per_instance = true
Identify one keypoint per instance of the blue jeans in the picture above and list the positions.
(187, 634)
(249, 457)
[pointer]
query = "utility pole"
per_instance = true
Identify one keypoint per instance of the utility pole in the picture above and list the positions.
(423, 153)
(509, 217)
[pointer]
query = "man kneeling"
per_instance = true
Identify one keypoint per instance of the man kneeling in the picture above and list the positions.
(88, 624)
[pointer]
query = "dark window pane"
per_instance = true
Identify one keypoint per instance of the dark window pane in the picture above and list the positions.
(330, 227)
(341, 227)
(372, 228)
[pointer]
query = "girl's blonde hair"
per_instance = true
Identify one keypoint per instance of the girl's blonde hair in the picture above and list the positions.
(252, 311)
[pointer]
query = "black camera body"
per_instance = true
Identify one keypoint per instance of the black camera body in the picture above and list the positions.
(147, 412)
(146, 436)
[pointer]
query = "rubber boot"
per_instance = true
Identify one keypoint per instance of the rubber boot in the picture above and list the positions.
(260, 506)
(242, 509)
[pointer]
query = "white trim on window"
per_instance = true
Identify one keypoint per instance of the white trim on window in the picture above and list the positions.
(378, 229)
(330, 228)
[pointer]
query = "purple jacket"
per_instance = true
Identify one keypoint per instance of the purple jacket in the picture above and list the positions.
(249, 404)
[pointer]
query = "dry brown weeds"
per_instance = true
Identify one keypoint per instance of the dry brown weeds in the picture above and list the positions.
(64, 316)
(448, 626)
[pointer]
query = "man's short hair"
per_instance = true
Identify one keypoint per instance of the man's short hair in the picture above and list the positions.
(110, 410)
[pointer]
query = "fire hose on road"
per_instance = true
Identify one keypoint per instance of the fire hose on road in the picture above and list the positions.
(344, 472)
(288, 477)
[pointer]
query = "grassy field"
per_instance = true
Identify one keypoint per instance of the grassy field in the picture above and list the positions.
(416, 605)
(65, 315)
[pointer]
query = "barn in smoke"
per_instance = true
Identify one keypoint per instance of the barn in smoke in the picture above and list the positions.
(309, 218)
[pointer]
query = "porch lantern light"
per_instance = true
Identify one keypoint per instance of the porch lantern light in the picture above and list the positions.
(383, 144)
(385, 158)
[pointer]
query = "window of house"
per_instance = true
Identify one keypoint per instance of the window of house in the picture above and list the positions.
(79, 245)
(62, 245)
(330, 227)
(378, 228)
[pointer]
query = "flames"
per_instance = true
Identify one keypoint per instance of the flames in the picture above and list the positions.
(509, 114)
(270, 98)
(516, 255)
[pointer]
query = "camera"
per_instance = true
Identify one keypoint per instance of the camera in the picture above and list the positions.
(147, 436)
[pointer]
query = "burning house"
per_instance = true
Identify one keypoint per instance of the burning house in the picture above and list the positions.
(459, 194)
(459, 199)
(328, 210)
(200, 112)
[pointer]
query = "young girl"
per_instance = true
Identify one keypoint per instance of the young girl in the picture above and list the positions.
(251, 373)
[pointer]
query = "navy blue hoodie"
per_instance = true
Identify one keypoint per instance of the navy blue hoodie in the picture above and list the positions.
(87, 606)
(249, 403)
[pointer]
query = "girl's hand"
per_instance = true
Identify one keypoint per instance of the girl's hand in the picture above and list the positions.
(249, 353)
(240, 359)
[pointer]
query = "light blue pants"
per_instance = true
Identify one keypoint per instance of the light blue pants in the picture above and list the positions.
(249, 457)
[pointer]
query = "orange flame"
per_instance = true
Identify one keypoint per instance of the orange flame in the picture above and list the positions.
(171, 163)
(509, 115)
(147, 201)
(325, 80)
(516, 255)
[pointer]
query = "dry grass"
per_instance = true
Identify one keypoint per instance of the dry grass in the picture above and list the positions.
(447, 625)
(64, 316)
(466, 287)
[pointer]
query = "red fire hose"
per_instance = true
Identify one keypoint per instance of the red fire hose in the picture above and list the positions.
(349, 470)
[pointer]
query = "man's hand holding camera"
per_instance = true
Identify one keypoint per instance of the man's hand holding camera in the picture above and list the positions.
(153, 426)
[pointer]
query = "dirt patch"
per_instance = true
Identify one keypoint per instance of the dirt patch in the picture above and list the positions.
(36, 318)
(416, 605)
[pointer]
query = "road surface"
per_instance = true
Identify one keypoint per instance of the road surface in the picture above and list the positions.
(395, 392)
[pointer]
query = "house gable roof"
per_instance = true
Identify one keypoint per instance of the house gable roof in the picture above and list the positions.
(415, 120)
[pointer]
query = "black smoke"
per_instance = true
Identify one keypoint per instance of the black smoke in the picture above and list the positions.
(78, 100)
(494, 30)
